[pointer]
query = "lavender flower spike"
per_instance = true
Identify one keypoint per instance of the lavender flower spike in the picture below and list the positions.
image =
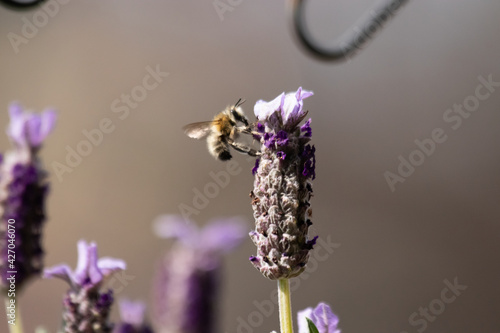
(322, 317)
(86, 309)
(23, 189)
(283, 188)
(132, 314)
(187, 280)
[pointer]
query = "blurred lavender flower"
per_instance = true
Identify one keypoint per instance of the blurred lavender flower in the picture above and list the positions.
(86, 309)
(187, 280)
(282, 187)
(322, 317)
(23, 189)
(132, 314)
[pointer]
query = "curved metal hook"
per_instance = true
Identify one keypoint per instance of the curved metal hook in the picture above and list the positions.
(21, 4)
(352, 40)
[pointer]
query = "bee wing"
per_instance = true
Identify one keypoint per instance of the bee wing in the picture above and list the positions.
(198, 130)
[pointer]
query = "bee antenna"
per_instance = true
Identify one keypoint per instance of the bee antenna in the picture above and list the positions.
(238, 103)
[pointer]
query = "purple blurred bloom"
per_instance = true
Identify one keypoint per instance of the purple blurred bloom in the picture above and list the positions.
(29, 129)
(187, 280)
(89, 270)
(86, 308)
(23, 189)
(132, 312)
(322, 316)
(216, 238)
(132, 318)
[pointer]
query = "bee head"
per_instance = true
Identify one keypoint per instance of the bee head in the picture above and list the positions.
(237, 112)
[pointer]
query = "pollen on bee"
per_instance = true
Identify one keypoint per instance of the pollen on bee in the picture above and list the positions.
(223, 124)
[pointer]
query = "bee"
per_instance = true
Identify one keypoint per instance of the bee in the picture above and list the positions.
(223, 131)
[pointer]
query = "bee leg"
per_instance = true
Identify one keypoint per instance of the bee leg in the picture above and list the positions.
(246, 130)
(244, 149)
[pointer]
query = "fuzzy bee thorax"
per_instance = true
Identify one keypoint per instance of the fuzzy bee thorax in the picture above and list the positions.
(224, 124)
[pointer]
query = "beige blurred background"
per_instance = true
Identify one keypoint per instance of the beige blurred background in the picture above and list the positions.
(396, 248)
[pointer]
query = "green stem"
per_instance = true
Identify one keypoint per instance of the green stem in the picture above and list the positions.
(17, 327)
(285, 305)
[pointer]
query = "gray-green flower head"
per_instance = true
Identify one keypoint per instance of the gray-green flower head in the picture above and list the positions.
(282, 187)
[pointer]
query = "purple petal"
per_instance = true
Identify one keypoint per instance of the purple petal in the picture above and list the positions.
(292, 106)
(108, 266)
(310, 243)
(175, 226)
(282, 138)
(33, 125)
(28, 128)
(324, 319)
(87, 264)
(308, 156)
(269, 140)
(302, 321)
(132, 312)
(322, 316)
(307, 128)
(82, 265)
(263, 109)
(15, 129)
(223, 235)
(256, 167)
(89, 270)
(303, 94)
(15, 111)
(49, 118)
(59, 271)
(94, 273)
